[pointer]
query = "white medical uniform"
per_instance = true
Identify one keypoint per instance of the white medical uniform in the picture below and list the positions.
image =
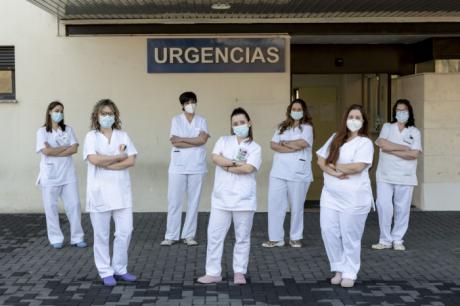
(290, 178)
(233, 198)
(396, 178)
(187, 170)
(108, 195)
(57, 178)
(345, 205)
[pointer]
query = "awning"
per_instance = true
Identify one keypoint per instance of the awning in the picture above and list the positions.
(263, 10)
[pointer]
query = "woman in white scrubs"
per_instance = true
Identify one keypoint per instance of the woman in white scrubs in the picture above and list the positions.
(187, 169)
(237, 158)
(346, 198)
(56, 143)
(109, 153)
(400, 145)
(291, 174)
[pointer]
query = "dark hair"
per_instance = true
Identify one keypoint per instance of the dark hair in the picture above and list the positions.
(342, 135)
(240, 111)
(48, 122)
(289, 122)
(411, 120)
(95, 114)
(187, 96)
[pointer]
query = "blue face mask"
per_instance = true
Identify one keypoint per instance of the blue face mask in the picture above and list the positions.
(296, 115)
(402, 116)
(106, 122)
(241, 131)
(57, 117)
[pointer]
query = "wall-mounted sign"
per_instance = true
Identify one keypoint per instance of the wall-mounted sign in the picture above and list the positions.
(193, 55)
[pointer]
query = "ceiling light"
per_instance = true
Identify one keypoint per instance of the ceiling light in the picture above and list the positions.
(221, 6)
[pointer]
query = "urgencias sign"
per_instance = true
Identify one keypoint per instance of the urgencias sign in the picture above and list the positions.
(194, 55)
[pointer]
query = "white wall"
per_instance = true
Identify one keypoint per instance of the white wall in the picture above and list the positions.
(436, 101)
(81, 70)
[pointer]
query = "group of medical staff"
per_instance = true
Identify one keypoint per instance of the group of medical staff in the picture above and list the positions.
(346, 198)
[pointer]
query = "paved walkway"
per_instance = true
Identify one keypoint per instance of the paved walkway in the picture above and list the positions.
(428, 273)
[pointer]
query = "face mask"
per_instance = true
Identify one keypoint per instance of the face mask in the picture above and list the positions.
(241, 131)
(296, 115)
(106, 121)
(190, 108)
(57, 117)
(402, 116)
(354, 125)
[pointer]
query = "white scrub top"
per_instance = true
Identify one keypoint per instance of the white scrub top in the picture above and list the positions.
(394, 169)
(236, 192)
(188, 160)
(352, 195)
(294, 166)
(54, 170)
(107, 189)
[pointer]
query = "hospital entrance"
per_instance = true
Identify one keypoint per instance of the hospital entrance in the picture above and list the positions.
(327, 97)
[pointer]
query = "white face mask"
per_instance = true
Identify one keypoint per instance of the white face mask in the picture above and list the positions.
(190, 108)
(241, 131)
(354, 125)
(402, 116)
(296, 115)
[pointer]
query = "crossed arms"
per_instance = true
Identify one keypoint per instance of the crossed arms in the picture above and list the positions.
(401, 151)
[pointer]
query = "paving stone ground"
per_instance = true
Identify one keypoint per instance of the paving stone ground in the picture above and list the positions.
(428, 273)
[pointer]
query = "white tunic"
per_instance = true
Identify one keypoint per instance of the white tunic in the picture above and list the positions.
(54, 170)
(295, 166)
(352, 195)
(188, 160)
(236, 192)
(107, 189)
(394, 169)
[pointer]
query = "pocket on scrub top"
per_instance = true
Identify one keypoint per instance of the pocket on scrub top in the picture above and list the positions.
(301, 166)
(244, 190)
(177, 157)
(50, 170)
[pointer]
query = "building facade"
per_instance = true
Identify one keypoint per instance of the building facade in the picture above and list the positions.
(79, 52)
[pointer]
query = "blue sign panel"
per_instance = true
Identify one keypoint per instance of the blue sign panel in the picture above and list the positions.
(194, 55)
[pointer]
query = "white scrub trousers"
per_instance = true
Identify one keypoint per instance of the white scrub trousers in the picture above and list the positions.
(123, 219)
(342, 233)
(180, 185)
(401, 197)
(280, 192)
(69, 195)
(219, 223)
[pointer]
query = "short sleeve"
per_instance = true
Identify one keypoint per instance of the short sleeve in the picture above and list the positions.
(175, 131)
(255, 156)
(276, 137)
(219, 146)
(385, 131)
(130, 148)
(204, 126)
(324, 150)
(307, 134)
(89, 146)
(41, 139)
(73, 138)
(417, 144)
(365, 152)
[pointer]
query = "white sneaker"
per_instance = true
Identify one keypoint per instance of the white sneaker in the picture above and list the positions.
(347, 283)
(399, 247)
(337, 279)
(168, 242)
(381, 246)
(272, 244)
(190, 241)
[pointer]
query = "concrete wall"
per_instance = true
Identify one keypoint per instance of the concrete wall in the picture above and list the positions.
(436, 101)
(81, 70)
